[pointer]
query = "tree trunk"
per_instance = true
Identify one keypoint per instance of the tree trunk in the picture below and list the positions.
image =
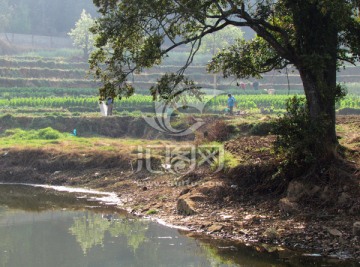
(317, 43)
(320, 96)
(86, 48)
(86, 53)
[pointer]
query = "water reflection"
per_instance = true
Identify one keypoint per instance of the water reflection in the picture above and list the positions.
(28, 198)
(90, 230)
(40, 228)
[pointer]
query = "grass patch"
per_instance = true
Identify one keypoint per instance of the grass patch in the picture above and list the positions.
(34, 138)
(152, 211)
(43, 134)
(61, 52)
(222, 160)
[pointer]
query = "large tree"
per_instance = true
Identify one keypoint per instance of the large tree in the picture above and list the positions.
(315, 36)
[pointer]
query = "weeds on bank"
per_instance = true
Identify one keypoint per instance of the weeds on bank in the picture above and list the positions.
(49, 138)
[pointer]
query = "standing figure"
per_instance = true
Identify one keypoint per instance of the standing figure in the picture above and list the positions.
(255, 85)
(243, 85)
(231, 103)
(109, 103)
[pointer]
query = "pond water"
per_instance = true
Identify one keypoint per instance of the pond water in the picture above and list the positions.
(44, 228)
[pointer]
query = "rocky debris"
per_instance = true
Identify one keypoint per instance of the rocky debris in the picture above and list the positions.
(206, 224)
(344, 199)
(189, 178)
(271, 233)
(186, 206)
(334, 232)
(225, 217)
(355, 209)
(297, 190)
(288, 207)
(197, 197)
(215, 228)
(185, 191)
(326, 194)
(186, 203)
(356, 229)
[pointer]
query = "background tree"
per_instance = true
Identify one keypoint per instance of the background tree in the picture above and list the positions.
(6, 12)
(81, 35)
(41, 17)
(213, 43)
(316, 36)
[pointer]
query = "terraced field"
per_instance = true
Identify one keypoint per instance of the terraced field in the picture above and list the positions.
(62, 72)
(37, 84)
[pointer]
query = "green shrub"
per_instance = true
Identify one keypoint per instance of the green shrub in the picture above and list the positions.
(48, 134)
(295, 132)
(44, 134)
(261, 128)
(151, 212)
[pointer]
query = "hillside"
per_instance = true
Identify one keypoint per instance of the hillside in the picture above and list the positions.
(18, 71)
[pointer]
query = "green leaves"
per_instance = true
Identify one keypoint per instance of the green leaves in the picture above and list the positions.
(215, 42)
(246, 59)
(81, 35)
(136, 35)
(174, 88)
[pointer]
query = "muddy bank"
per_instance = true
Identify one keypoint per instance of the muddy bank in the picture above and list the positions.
(115, 127)
(54, 167)
(202, 202)
(242, 203)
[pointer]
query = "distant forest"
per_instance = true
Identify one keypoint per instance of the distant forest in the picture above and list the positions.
(47, 17)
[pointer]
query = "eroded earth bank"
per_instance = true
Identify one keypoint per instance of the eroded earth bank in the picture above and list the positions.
(242, 202)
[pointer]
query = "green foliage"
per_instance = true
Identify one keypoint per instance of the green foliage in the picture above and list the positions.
(81, 35)
(223, 160)
(53, 53)
(216, 258)
(262, 128)
(172, 88)
(247, 59)
(340, 92)
(81, 100)
(151, 212)
(295, 132)
(217, 41)
(90, 230)
(228, 161)
(137, 40)
(44, 134)
(37, 61)
(315, 36)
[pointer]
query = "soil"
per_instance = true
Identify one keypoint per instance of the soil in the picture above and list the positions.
(237, 204)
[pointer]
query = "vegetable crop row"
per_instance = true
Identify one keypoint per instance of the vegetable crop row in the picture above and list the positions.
(141, 101)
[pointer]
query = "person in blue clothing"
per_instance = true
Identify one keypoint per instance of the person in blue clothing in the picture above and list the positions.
(231, 102)
(109, 103)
